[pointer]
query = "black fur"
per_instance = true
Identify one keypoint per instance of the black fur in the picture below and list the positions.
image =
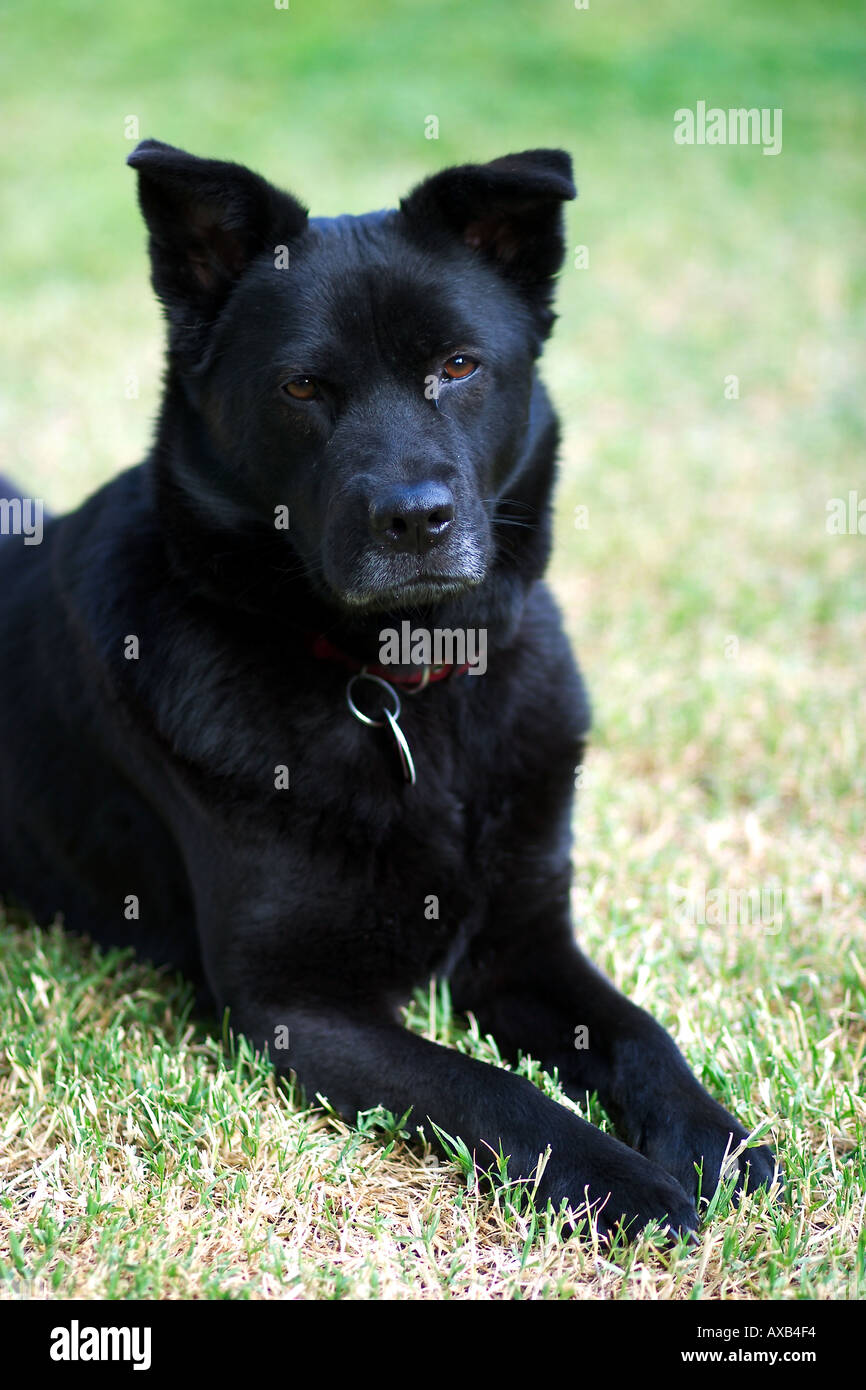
(309, 908)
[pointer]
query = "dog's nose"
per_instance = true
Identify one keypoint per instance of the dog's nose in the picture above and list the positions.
(413, 517)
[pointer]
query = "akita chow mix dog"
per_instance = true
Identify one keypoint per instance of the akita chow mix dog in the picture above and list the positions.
(202, 751)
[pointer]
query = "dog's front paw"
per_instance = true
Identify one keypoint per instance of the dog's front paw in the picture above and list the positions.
(650, 1194)
(699, 1143)
(622, 1188)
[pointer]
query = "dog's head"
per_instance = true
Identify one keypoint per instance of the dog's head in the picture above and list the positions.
(367, 377)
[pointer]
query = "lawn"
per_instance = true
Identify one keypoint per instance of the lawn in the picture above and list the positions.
(706, 364)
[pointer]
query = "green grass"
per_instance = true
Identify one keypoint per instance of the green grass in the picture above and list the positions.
(137, 1157)
(143, 1160)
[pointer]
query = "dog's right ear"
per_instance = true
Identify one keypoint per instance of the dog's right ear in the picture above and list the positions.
(207, 220)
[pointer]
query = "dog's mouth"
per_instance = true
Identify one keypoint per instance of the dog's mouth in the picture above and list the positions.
(411, 593)
(378, 580)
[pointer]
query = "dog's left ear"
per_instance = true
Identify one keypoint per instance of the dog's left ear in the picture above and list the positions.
(509, 211)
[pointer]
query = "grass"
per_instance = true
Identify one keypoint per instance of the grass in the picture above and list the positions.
(142, 1160)
(720, 626)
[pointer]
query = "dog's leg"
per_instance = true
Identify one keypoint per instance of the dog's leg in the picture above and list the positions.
(359, 1063)
(534, 991)
(269, 953)
(268, 957)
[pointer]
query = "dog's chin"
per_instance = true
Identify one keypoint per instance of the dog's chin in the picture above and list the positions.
(413, 594)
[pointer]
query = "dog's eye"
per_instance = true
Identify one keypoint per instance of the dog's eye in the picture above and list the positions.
(301, 388)
(458, 367)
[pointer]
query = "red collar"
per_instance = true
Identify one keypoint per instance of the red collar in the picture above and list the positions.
(410, 677)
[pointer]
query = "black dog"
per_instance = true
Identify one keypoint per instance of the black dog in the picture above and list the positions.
(353, 437)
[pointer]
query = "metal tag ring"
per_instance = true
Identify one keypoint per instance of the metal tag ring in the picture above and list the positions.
(389, 689)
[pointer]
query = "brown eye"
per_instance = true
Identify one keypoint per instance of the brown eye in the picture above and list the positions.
(301, 388)
(458, 367)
